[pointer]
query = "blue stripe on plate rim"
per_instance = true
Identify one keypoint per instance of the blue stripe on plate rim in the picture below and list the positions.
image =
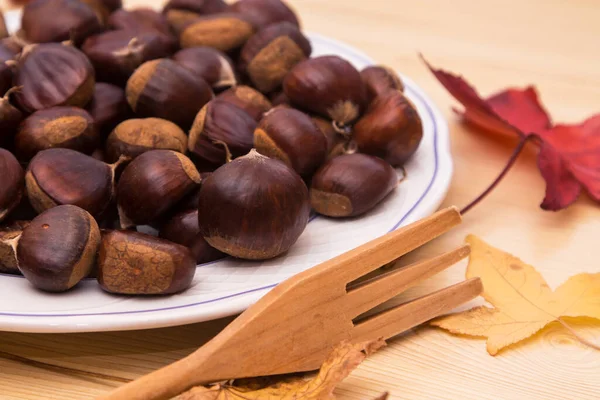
(245, 292)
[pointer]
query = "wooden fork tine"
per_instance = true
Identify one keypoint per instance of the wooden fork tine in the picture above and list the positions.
(401, 318)
(368, 257)
(366, 295)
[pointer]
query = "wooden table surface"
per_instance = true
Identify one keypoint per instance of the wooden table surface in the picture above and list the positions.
(552, 43)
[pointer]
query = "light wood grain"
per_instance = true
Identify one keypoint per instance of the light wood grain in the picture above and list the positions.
(495, 43)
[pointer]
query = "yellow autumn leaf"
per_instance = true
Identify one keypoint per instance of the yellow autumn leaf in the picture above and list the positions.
(523, 302)
(341, 361)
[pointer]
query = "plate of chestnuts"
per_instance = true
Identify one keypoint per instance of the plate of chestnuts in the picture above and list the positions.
(164, 167)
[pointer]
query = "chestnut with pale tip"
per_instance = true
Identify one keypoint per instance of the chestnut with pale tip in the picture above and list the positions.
(337, 144)
(380, 79)
(164, 89)
(58, 248)
(329, 86)
(136, 136)
(152, 184)
(133, 263)
(390, 129)
(9, 236)
(11, 183)
(265, 12)
(291, 136)
(225, 32)
(10, 118)
(61, 176)
(220, 130)
(253, 208)
(248, 99)
(63, 127)
(271, 53)
(70, 85)
(115, 55)
(108, 107)
(212, 65)
(183, 229)
(46, 21)
(351, 184)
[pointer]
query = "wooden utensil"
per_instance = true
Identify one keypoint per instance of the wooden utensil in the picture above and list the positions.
(294, 326)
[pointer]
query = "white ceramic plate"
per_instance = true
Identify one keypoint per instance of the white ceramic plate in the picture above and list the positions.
(229, 286)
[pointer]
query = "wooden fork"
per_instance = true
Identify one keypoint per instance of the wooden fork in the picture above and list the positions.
(294, 326)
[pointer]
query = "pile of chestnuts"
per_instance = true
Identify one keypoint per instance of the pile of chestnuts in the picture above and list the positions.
(208, 121)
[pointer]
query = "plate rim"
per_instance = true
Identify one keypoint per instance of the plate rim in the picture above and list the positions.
(427, 203)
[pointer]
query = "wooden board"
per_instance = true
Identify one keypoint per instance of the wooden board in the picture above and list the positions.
(551, 43)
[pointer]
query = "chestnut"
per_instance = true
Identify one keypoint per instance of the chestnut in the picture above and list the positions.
(133, 263)
(139, 20)
(226, 32)
(390, 129)
(108, 107)
(11, 183)
(3, 31)
(180, 12)
(220, 128)
(265, 12)
(65, 127)
(337, 144)
(46, 21)
(291, 136)
(210, 64)
(152, 184)
(329, 86)
(248, 99)
(253, 208)
(61, 176)
(9, 49)
(101, 11)
(136, 136)
(9, 237)
(351, 184)
(164, 89)
(270, 54)
(379, 79)
(71, 85)
(183, 229)
(279, 99)
(116, 54)
(10, 118)
(58, 248)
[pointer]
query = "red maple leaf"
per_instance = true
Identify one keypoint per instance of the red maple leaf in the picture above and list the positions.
(569, 155)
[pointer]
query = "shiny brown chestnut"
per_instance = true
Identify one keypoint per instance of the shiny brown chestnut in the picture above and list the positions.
(164, 89)
(64, 127)
(9, 237)
(253, 208)
(351, 184)
(136, 136)
(183, 229)
(61, 176)
(265, 12)
(291, 136)
(58, 248)
(226, 32)
(108, 107)
(115, 55)
(210, 64)
(101, 11)
(279, 99)
(337, 144)
(46, 21)
(152, 184)
(71, 85)
(271, 53)
(329, 86)
(11, 183)
(10, 118)
(248, 99)
(133, 263)
(379, 79)
(390, 129)
(220, 128)
(180, 12)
